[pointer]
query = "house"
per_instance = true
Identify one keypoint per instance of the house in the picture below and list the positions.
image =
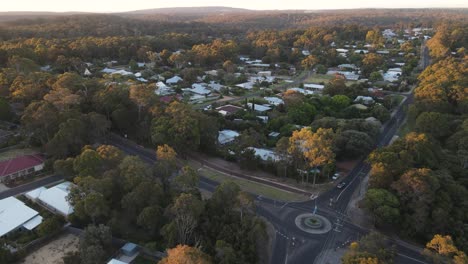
(302, 91)
(15, 215)
(347, 74)
(264, 119)
(215, 86)
(274, 100)
(360, 51)
(122, 72)
(116, 261)
(108, 70)
(20, 167)
(273, 134)
(359, 106)
(314, 87)
(342, 50)
(54, 198)
(174, 80)
(227, 136)
(305, 52)
(227, 110)
(367, 100)
(264, 73)
(265, 154)
(246, 85)
(383, 52)
(163, 89)
(199, 89)
(212, 73)
(347, 66)
(259, 108)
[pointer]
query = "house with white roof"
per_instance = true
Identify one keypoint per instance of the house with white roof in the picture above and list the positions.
(227, 136)
(274, 100)
(246, 85)
(174, 80)
(259, 108)
(163, 89)
(54, 198)
(314, 87)
(199, 89)
(300, 90)
(15, 215)
(342, 50)
(108, 70)
(122, 72)
(367, 100)
(265, 154)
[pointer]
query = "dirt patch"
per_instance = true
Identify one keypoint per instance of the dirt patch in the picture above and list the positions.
(54, 251)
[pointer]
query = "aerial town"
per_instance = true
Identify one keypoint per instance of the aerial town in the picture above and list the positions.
(227, 135)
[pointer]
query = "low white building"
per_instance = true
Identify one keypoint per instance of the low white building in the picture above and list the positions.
(246, 85)
(14, 215)
(174, 80)
(199, 89)
(265, 154)
(367, 100)
(259, 108)
(274, 100)
(314, 87)
(227, 136)
(302, 91)
(54, 198)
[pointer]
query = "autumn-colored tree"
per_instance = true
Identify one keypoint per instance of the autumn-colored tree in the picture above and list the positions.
(141, 95)
(183, 254)
(313, 148)
(441, 249)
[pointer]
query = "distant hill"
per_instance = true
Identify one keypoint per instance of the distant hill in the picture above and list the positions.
(189, 10)
(12, 16)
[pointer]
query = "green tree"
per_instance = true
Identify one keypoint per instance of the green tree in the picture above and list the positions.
(5, 110)
(383, 205)
(186, 212)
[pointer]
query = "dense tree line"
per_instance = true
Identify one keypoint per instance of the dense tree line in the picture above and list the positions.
(419, 183)
(138, 202)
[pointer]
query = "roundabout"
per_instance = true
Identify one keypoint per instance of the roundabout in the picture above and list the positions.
(313, 223)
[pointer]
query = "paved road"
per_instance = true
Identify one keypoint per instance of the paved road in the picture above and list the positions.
(30, 186)
(291, 244)
(295, 246)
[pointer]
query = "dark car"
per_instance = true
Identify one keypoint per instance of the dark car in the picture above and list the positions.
(341, 185)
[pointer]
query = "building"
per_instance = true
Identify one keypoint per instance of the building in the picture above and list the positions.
(274, 100)
(15, 215)
(227, 110)
(54, 198)
(20, 167)
(265, 154)
(314, 87)
(259, 108)
(227, 136)
(367, 100)
(174, 80)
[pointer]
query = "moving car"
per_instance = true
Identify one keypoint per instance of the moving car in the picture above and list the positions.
(341, 185)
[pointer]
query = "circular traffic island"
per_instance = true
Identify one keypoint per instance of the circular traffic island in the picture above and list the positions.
(313, 223)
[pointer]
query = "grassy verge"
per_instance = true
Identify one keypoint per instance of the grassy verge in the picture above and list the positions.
(250, 186)
(13, 153)
(404, 129)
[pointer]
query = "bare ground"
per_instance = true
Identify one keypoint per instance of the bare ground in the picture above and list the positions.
(54, 251)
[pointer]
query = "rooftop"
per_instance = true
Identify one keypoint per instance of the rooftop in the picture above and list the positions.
(15, 214)
(8, 167)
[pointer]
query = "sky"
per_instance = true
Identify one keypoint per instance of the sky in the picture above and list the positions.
(129, 5)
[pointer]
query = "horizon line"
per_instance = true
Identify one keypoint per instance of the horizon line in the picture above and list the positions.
(246, 9)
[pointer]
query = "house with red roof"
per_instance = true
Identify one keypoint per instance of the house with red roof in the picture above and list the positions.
(20, 167)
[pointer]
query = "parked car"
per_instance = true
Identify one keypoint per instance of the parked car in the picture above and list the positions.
(336, 176)
(341, 185)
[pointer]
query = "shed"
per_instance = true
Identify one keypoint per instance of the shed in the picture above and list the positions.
(129, 249)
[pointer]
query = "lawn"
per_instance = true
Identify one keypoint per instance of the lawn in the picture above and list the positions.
(323, 78)
(252, 187)
(13, 153)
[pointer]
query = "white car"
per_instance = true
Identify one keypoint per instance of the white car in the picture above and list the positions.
(335, 176)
